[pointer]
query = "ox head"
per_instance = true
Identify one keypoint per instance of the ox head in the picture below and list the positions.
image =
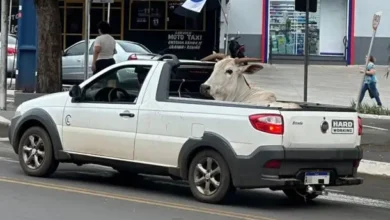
(227, 78)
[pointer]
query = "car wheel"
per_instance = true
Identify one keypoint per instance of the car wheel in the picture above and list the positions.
(36, 155)
(209, 177)
(299, 195)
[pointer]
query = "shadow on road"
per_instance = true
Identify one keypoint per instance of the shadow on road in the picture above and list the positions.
(164, 187)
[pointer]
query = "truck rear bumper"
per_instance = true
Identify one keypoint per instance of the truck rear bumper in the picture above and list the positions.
(250, 171)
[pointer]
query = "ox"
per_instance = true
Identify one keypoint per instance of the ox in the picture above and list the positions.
(227, 83)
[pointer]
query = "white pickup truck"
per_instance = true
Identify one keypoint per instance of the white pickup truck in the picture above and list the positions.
(148, 116)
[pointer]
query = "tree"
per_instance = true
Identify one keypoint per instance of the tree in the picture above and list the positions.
(49, 46)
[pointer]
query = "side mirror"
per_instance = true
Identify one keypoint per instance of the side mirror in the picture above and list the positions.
(64, 53)
(75, 92)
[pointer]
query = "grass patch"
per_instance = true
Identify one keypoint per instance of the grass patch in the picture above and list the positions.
(371, 109)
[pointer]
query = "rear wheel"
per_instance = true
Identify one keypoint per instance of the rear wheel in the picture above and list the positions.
(209, 177)
(299, 195)
(36, 155)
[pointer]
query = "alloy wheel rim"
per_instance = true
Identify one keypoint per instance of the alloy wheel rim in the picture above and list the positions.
(33, 152)
(207, 176)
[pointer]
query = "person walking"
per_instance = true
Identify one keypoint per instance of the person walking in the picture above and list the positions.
(370, 81)
(104, 48)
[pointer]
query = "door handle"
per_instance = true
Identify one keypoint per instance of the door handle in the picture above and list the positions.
(78, 60)
(126, 114)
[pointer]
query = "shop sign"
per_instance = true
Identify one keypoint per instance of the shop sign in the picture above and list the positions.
(185, 40)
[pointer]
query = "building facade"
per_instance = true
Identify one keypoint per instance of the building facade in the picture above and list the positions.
(339, 32)
(150, 22)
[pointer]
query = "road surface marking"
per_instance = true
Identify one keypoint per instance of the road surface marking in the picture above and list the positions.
(6, 159)
(374, 167)
(375, 128)
(4, 121)
(356, 200)
(4, 139)
(140, 200)
(335, 190)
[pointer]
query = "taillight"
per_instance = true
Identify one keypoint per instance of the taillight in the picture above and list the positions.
(272, 164)
(356, 163)
(11, 51)
(360, 132)
(132, 57)
(268, 123)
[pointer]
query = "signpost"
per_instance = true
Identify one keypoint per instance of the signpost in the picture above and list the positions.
(306, 69)
(306, 6)
(86, 35)
(375, 23)
(3, 60)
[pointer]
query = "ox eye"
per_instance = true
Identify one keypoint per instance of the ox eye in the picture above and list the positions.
(229, 72)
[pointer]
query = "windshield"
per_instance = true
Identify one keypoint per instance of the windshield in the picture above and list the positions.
(133, 48)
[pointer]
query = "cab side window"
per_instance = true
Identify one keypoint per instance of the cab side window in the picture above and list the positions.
(119, 85)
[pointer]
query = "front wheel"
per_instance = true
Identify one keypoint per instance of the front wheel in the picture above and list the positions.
(209, 177)
(299, 195)
(36, 155)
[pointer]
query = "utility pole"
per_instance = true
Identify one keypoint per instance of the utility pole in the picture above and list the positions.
(306, 67)
(4, 46)
(86, 32)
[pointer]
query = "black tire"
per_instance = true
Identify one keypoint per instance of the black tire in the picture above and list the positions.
(48, 163)
(225, 185)
(299, 195)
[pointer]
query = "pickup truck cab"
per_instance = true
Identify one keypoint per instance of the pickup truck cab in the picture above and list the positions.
(148, 116)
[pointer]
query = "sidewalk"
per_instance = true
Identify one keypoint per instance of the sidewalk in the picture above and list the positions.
(337, 85)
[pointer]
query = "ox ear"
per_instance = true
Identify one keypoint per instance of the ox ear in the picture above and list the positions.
(251, 68)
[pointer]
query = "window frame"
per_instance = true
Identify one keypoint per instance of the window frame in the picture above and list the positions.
(100, 77)
(73, 46)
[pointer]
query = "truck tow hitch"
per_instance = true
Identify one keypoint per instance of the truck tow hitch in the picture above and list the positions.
(319, 190)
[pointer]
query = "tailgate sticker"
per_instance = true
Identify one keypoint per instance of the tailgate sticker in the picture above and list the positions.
(342, 127)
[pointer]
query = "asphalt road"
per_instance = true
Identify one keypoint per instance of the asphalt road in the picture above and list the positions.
(94, 193)
(376, 139)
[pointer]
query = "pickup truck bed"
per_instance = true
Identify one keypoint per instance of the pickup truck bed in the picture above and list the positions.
(162, 125)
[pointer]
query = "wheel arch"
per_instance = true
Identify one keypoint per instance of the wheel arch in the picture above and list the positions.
(209, 141)
(38, 117)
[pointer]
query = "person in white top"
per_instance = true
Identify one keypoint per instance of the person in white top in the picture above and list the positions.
(104, 48)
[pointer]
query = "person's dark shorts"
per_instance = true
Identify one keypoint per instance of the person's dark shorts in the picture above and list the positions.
(102, 64)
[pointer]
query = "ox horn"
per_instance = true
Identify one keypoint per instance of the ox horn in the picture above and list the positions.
(214, 56)
(246, 60)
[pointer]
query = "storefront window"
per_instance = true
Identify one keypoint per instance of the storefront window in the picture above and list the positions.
(160, 15)
(287, 29)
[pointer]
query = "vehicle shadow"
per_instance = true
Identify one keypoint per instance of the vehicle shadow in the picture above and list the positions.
(179, 190)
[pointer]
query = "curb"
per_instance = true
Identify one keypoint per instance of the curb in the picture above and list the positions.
(4, 121)
(376, 168)
(383, 117)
